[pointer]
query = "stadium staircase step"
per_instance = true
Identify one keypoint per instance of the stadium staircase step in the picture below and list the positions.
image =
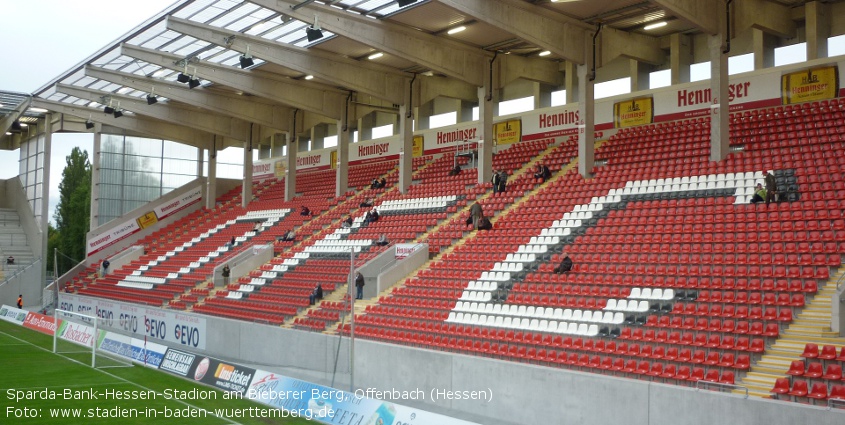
(812, 325)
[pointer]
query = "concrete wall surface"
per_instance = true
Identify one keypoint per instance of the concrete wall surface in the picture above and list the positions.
(519, 393)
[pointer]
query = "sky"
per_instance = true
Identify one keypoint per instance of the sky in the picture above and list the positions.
(51, 37)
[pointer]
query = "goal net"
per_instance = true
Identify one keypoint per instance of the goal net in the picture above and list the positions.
(80, 337)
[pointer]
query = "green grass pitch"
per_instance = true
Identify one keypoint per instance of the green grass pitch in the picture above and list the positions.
(30, 367)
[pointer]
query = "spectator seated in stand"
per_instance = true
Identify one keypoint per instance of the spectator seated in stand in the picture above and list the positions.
(371, 217)
(290, 236)
(760, 194)
(347, 223)
(455, 171)
(382, 240)
(303, 210)
(543, 172)
(10, 260)
(484, 224)
(367, 203)
(565, 264)
(375, 184)
(382, 183)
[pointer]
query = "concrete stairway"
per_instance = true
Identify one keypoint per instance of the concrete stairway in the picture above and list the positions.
(13, 241)
(812, 325)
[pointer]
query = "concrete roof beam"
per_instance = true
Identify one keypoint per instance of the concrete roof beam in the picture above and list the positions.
(297, 94)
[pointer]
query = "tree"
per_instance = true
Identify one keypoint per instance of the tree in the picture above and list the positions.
(73, 211)
(52, 243)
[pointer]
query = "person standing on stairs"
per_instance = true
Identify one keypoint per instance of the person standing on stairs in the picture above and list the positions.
(359, 285)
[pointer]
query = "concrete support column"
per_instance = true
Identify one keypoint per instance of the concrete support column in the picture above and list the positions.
(465, 111)
(290, 168)
(587, 120)
(542, 95)
(95, 177)
(719, 109)
(211, 181)
(764, 49)
(424, 113)
(680, 58)
(406, 134)
(342, 166)
(246, 192)
(365, 126)
(199, 161)
(488, 102)
(318, 136)
(817, 28)
(570, 81)
(45, 197)
(639, 75)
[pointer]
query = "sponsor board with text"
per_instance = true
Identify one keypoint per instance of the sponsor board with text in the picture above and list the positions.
(157, 325)
(41, 323)
(810, 85)
(12, 314)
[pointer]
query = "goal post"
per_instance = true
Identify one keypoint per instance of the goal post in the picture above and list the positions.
(79, 334)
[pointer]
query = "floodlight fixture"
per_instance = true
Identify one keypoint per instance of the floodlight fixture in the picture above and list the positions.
(88, 124)
(246, 59)
(195, 82)
(403, 3)
(314, 32)
(152, 98)
(16, 127)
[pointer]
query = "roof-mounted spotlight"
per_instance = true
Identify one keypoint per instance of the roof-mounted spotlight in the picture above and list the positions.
(403, 3)
(117, 111)
(108, 109)
(194, 82)
(314, 32)
(88, 124)
(183, 76)
(152, 99)
(16, 127)
(246, 59)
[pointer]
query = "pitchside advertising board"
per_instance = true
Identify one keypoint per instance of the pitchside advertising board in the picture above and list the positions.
(208, 370)
(323, 404)
(12, 314)
(128, 228)
(143, 352)
(156, 325)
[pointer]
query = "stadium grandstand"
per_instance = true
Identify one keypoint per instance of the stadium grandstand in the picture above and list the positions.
(696, 151)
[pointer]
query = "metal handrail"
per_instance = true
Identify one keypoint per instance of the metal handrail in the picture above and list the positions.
(19, 271)
(840, 281)
(832, 401)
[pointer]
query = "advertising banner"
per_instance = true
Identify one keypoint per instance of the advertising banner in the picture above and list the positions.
(111, 237)
(77, 333)
(508, 132)
(810, 85)
(104, 240)
(418, 146)
(226, 376)
(133, 349)
(178, 362)
(147, 220)
(12, 314)
(634, 112)
(403, 250)
(40, 323)
(333, 406)
(157, 325)
(189, 198)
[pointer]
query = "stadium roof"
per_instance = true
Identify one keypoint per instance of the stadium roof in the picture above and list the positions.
(204, 40)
